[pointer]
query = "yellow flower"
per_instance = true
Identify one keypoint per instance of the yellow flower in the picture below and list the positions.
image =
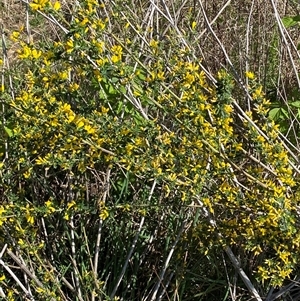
(260, 109)
(238, 146)
(250, 75)
(284, 256)
(70, 116)
(172, 177)
(56, 5)
(77, 35)
(40, 161)
(69, 46)
(25, 52)
(66, 108)
(153, 43)
(100, 46)
(27, 173)
(258, 93)
(228, 109)
(104, 110)
(115, 58)
(116, 49)
(49, 206)
(129, 148)
(2, 210)
(15, 35)
(285, 273)
(100, 24)
(221, 74)
(29, 218)
(136, 93)
(36, 53)
(263, 273)
(28, 52)
(84, 21)
(66, 216)
(260, 139)
(71, 204)
(40, 290)
(192, 67)
(101, 62)
(54, 122)
(80, 123)
(104, 214)
(64, 75)
(89, 129)
(38, 4)
(21, 242)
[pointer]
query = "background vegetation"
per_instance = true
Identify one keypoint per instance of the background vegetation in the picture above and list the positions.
(149, 150)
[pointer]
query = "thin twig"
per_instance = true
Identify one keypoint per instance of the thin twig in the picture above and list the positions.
(132, 247)
(167, 261)
(97, 249)
(231, 256)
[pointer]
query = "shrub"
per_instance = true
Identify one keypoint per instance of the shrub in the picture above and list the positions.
(121, 157)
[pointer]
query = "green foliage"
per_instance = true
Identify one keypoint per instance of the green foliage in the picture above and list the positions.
(289, 21)
(119, 159)
(287, 115)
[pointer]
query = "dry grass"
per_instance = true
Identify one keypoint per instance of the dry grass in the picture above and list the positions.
(247, 32)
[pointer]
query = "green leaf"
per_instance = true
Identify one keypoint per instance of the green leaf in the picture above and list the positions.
(278, 114)
(111, 90)
(284, 114)
(274, 113)
(295, 104)
(122, 89)
(290, 21)
(102, 94)
(114, 80)
(8, 131)
(138, 118)
(137, 87)
(141, 74)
